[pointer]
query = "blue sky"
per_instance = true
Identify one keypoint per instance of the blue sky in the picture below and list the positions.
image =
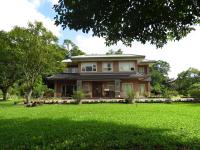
(180, 54)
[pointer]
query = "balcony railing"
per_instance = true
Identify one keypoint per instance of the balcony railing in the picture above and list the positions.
(71, 70)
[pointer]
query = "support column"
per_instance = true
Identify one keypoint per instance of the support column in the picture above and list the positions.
(117, 88)
(55, 88)
(79, 85)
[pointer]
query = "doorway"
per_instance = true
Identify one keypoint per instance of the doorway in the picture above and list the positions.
(96, 89)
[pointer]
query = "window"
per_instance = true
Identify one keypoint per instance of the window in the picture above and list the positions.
(142, 89)
(107, 67)
(141, 70)
(126, 87)
(126, 66)
(88, 67)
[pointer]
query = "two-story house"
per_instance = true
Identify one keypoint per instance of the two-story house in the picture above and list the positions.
(106, 76)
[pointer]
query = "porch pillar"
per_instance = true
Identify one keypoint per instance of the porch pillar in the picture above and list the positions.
(55, 88)
(117, 88)
(79, 85)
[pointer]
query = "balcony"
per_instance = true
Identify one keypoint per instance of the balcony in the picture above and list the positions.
(71, 70)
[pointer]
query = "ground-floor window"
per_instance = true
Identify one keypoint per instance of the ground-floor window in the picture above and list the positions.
(126, 87)
(68, 89)
(142, 89)
(109, 89)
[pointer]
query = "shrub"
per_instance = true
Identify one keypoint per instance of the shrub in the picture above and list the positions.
(194, 90)
(170, 93)
(130, 96)
(49, 92)
(78, 96)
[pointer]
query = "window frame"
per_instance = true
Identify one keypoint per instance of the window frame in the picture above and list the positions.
(139, 69)
(103, 63)
(132, 63)
(90, 63)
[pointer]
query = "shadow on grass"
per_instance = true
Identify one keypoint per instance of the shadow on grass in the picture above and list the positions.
(68, 134)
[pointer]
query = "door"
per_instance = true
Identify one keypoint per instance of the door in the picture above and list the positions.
(96, 89)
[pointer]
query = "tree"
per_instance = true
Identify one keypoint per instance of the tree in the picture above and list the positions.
(74, 51)
(159, 76)
(112, 52)
(186, 79)
(40, 54)
(118, 20)
(9, 63)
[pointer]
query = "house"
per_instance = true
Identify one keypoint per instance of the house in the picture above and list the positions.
(104, 76)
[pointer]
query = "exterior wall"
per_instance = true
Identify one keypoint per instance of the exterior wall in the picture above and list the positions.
(115, 66)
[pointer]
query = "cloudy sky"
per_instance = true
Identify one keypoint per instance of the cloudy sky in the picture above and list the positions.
(181, 55)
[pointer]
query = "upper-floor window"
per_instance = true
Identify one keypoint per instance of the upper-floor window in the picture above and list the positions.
(141, 70)
(107, 67)
(88, 67)
(126, 66)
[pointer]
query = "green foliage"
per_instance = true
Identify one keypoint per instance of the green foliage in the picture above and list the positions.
(40, 54)
(194, 90)
(74, 49)
(186, 79)
(39, 88)
(130, 95)
(78, 96)
(170, 93)
(10, 63)
(159, 77)
(155, 22)
(100, 126)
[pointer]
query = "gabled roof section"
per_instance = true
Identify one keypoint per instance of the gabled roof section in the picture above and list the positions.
(100, 57)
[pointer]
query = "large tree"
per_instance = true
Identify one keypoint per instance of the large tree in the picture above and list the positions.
(154, 21)
(186, 79)
(72, 49)
(159, 76)
(40, 53)
(9, 63)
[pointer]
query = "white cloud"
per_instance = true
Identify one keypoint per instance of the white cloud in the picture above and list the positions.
(180, 54)
(20, 12)
(53, 1)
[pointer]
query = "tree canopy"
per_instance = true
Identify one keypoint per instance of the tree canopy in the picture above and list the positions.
(154, 21)
(186, 80)
(10, 63)
(73, 48)
(159, 76)
(39, 53)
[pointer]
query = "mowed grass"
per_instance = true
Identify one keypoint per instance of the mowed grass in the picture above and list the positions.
(100, 126)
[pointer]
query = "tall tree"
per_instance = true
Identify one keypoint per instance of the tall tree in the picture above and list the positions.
(73, 48)
(159, 76)
(153, 21)
(9, 63)
(186, 79)
(40, 53)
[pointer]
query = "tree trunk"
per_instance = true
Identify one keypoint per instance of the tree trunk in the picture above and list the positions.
(28, 95)
(5, 94)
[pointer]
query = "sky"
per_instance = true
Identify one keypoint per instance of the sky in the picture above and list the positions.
(180, 54)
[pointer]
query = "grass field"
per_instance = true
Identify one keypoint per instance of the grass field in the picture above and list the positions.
(100, 126)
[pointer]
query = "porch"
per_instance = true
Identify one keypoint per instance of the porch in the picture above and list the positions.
(100, 89)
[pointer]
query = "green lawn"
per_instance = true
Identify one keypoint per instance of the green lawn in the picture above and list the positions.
(100, 126)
